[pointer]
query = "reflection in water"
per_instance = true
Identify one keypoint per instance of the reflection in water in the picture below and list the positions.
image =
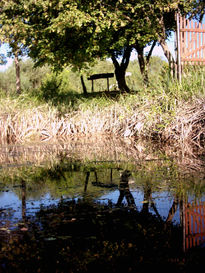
(125, 190)
(194, 224)
(173, 210)
(191, 216)
(148, 201)
(135, 205)
(86, 181)
(23, 185)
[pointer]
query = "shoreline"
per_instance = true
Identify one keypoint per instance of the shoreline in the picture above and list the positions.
(182, 127)
(37, 124)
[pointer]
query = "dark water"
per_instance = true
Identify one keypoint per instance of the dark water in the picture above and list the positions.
(69, 214)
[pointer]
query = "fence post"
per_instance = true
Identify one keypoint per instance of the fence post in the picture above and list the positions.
(179, 70)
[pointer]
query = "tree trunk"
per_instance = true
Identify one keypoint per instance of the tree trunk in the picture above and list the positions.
(166, 50)
(18, 79)
(143, 66)
(142, 63)
(121, 81)
(162, 41)
(120, 68)
(144, 60)
(83, 85)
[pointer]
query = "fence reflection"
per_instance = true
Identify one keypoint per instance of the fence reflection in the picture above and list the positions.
(194, 224)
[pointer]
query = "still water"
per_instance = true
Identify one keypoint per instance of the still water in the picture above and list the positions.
(83, 211)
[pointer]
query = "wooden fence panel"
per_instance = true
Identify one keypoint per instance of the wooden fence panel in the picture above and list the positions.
(194, 224)
(192, 42)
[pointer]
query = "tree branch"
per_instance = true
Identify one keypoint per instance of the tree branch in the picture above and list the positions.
(126, 57)
(114, 60)
(150, 52)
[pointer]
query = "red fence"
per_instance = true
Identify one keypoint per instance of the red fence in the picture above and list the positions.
(192, 42)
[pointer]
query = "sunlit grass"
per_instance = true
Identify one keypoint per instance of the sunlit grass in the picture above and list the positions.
(165, 111)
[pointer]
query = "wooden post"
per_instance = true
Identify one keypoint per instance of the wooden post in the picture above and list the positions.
(86, 181)
(83, 85)
(178, 48)
(23, 186)
(107, 84)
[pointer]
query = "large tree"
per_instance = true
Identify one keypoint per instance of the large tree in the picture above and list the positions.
(62, 32)
(77, 32)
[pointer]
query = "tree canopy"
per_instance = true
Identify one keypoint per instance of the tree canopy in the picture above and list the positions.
(62, 32)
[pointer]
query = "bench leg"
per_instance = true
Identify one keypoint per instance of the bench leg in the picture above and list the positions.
(92, 86)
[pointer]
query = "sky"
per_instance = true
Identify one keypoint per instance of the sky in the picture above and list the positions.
(3, 50)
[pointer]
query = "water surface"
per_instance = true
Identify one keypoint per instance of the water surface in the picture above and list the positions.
(121, 204)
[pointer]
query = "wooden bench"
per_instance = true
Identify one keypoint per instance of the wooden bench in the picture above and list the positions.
(101, 76)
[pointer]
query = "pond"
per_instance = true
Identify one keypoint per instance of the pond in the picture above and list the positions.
(82, 207)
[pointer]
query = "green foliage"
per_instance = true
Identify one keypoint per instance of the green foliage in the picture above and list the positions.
(62, 32)
(7, 81)
(13, 31)
(193, 82)
(65, 87)
(31, 78)
(51, 87)
(2, 59)
(69, 32)
(198, 9)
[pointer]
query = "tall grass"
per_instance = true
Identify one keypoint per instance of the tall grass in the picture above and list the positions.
(166, 111)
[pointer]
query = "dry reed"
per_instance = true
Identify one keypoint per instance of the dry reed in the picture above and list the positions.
(43, 123)
(39, 124)
(187, 130)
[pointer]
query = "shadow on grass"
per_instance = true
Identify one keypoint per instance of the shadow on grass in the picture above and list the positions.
(52, 92)
(73, 99)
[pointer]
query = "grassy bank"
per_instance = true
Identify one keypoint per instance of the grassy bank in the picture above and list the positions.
(165, 111)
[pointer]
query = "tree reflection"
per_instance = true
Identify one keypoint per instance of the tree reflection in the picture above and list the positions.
(86, 181)
(148, 201)
(125, 190)
(173, 210)
(23, 187)
(84, 235)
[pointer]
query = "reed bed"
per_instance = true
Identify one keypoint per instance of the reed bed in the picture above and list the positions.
(187, 130)
(36, 124)
(128, 117)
